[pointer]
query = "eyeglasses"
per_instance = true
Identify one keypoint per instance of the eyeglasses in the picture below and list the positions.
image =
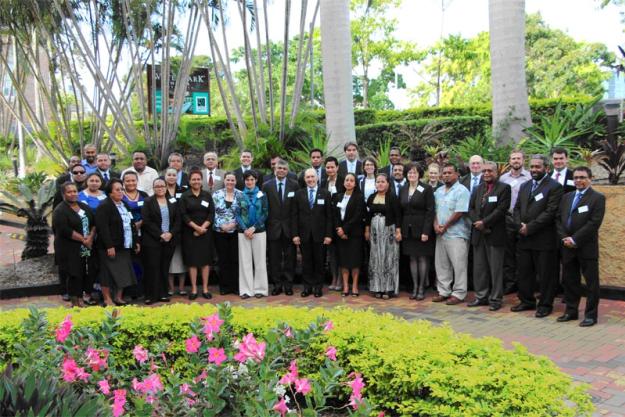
(580, 178)
(79, 173)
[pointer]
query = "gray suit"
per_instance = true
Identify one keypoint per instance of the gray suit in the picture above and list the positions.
(218, 180)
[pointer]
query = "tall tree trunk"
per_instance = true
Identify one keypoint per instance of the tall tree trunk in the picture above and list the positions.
(269, 70)
(511, 112)
(336, 53)
(285, 63)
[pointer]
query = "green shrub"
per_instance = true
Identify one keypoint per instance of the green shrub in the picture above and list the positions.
(410, 369)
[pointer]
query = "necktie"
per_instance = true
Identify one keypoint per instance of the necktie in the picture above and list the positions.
(280, 191)
(475, 184)
(106, 177)
(534, 186)
(558, 176)
(210, 179)
(311, 197)
(578, 196)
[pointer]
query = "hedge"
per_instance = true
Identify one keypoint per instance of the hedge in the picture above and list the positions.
(410, 368)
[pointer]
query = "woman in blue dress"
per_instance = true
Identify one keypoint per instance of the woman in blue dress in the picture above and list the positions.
(92, 195)
(134, 199)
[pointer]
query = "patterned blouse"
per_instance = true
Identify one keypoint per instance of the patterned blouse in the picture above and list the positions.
(224, 214)
(260, 210)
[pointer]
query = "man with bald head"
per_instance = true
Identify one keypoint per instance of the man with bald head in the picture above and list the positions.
(473, 178)
(311, 226)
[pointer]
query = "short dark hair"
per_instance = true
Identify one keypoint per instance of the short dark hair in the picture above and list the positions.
(395, 148)
(331, 159)
(140, 151)
(348, 144)
(356, 187)
(113, 181)
(382, 174)
(560, 150)
(230, 173)
(95, 174)
(373, 161)
(247, 151)
(584, 168)
(250, 173)
(412, 165)
(450, 164)
(130, 172)
(313, 150)
(68, 184)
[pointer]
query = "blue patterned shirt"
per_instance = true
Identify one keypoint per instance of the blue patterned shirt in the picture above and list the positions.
(450, 201)
(223, 214)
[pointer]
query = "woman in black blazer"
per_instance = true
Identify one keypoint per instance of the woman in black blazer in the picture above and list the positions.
(117, 237)
(161, 231)
(334, 184)
(416, 200)
(384, 233)
(176, 266)
(74, 231)
(349, 224)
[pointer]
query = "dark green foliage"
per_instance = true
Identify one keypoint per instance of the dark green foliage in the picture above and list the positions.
(612, 157)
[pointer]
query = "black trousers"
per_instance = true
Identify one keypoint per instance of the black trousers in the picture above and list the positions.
(313, 261)
(510, 278)
(573, 269)
(75, 285)
(156, 260)
(227, 245)
(534, 264)
(282, 262)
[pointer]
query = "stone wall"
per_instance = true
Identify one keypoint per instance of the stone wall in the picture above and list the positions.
(612, 237)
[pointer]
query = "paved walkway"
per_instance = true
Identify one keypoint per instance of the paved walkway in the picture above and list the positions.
(594, 355)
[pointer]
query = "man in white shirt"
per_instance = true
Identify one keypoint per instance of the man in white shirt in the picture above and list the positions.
(561, 172)
(246, 159)
(212, 177)
(145, 174)
(474, 178)
(398, 180)
(351, 164)
(175, 160)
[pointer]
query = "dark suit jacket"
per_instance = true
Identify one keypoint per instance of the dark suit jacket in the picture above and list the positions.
(393, 211)
(417, 212)
(466, 181)
(340, 188)
(238, 173)
(569, 185)
(343, 168)
(491, 208)
(109, 226)
(268, 177)
(354, 222)
(312, 224)
(151, 227)
(112, 174)
(302, 183)
(278, 222)
(584, 227)
(65, 221)
(391, 187)
(539, 215)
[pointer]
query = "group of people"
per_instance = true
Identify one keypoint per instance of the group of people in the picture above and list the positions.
(522, 231)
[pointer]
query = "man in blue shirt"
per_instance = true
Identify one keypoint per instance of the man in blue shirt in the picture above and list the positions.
(453, 230)
(90, 152)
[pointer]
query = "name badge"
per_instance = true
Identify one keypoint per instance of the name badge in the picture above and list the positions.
(321, 202)
(570, 182)
(172, 200)
(81, 212)
(420, 188)
(259, 194)
(582, 209)
(539, 197)
(178, 195)
(291, 194)
(204, 203)
(140, 203)
(216, 177)
(102, 197)
(492, 199)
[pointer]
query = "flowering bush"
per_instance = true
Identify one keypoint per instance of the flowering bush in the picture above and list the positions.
(224, 373)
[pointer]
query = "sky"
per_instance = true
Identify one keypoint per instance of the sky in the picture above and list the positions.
(419, 21)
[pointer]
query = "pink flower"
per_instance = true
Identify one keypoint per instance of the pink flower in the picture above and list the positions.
(331, 353)
(95, 359)
(104, 387)
(71, 371)
(63, 331)
(381, 414)
(356, 385)
(140, 354)
(216, 356)
(249, 348)
(212, 325)
(193, 344)
(185, 389)
(152, 384)
(328, 326)
(119, 400)
(302, 386)
(137, 386)
(290, 376)
(280, 407)
(202, 376)
(288, 332)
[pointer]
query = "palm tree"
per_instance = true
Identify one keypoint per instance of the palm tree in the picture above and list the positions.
(511, 112)
(336, 52)
(36, 208)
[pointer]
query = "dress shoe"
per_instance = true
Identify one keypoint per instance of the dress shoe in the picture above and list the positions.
(510, 289)
(288, 291)
(522, 307)
(222, 292)
(306, 293)
(542, 312)
(494, 307)
(452, 301)
(258, 295)
(120, 303)
(207, 295)
(318, 293)
(192, 296)
(587, 322)
(567, 317)
(65, 297)
(477, 302)
(420, 297)
(244, 296)
(276, 291)
(164, 299)
(89, 301)
(148, 302)
(440, 298)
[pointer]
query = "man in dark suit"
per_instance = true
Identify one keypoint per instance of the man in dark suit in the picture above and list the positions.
(316, 162)
(67, 176)
(280, 193)
(394, 158)
(311, 225)
(175, 160)
(535, 219)
(246, 159)
(272, 176)
(487, 209)
(561, 172)
(103, 164)
(581, 214)
(351, 162)
(474, 177)
(396, 180)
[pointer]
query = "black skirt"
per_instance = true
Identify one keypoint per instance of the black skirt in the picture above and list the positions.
(349, 252)
(415, 247)
(197, 251)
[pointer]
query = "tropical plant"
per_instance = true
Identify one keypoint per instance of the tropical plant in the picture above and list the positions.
(301, 155)
(35, 205)
(612, 157)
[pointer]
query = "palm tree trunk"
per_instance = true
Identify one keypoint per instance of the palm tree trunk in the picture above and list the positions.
(285, 62)
(511, 112)
(336, 52)
(269, 70)
(37, 238)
